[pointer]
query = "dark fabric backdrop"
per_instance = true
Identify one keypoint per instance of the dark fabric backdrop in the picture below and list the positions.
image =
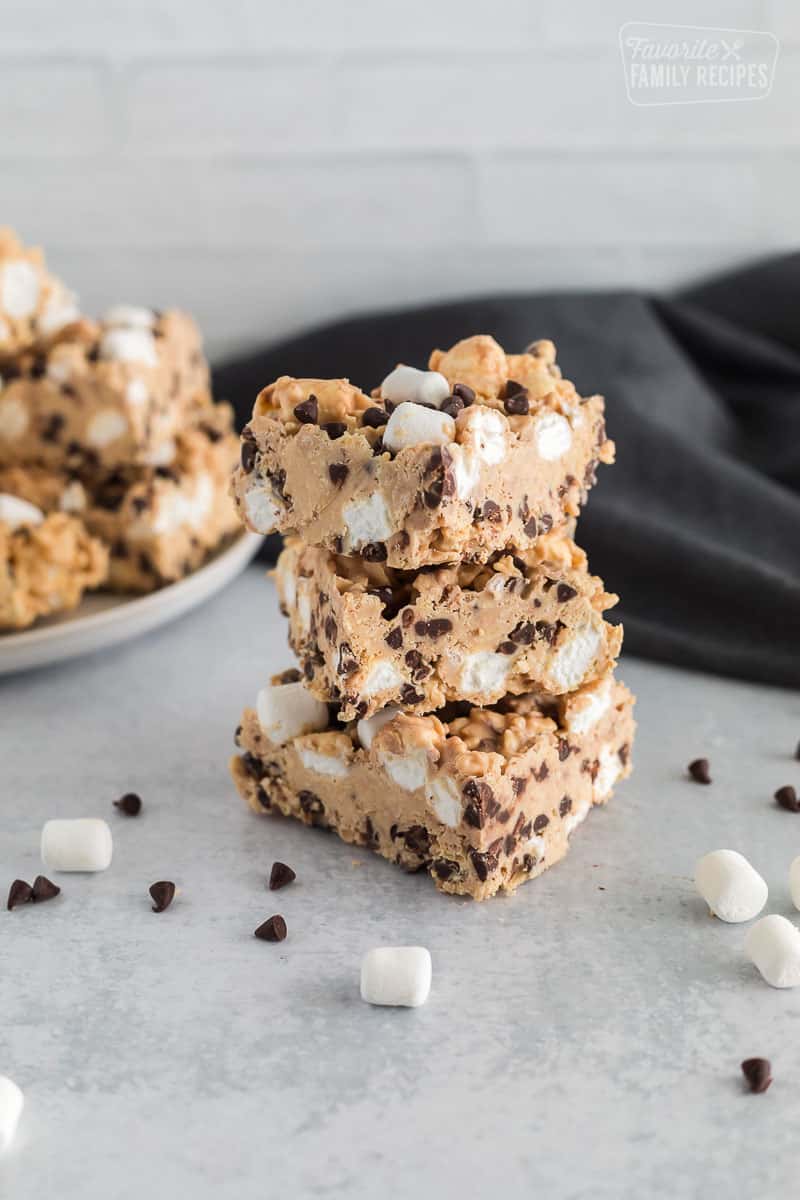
(697, 526)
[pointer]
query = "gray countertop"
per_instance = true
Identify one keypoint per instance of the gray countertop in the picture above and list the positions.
(582, 1039)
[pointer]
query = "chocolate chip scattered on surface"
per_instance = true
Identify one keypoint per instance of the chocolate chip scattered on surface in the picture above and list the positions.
(700, 770)
(730, 886)
(44, 889)
(787, 798)
(399, 976)
(130, 804)
(273, 929)
(20, 892)
(162, 893)
(280, 876)
(757, 1073)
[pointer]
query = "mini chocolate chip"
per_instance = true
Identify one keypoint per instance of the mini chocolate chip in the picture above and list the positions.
(513, 388)
(417, 839)
(624, 753)
(410, 696)
(307, 412)
(374, 418)
(787, 798)
(445, 868)
(273, 930)
(531, 528)
(131, 804)
(53, 427)
(452, 406)
(330, 628)
(523, 633)
(407, 616)
(565, 592)
(290, 675)
(563, 750)
(518, 784)
(374, 552)
(248, 456)
(162, 893)
(44, 889)
(518, 404)
(700, 770)
(565, 806)
(20, 892)
(465, 393)
(334, 429)
(338, 473)
(280, 876)
(541, 774)
(541, 822)
(433, 629)
(506, 648)
(545, 523)
(758, 1073)
(394, 639)
(491, 512)
(473, 814)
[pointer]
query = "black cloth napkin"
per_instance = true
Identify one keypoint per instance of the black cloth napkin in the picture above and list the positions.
(697, 526)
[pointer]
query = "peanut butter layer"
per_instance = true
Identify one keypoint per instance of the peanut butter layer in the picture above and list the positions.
(519, 455)
(46, 568)
(34, 305)
(104, 395)
(368, 635)
(159, 523)
(482, 801)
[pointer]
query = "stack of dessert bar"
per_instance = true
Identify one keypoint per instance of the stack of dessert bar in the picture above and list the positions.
(114, 461)
(455, 708)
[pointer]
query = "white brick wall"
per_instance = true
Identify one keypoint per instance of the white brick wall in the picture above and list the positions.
(272, 164)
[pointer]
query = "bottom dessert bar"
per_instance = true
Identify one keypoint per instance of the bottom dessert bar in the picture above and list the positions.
(159, 523)
(481, 798)
(45, 568)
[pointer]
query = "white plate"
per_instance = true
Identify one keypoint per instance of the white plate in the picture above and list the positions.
(104, 620)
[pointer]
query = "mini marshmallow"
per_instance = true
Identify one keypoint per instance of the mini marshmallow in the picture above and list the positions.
(60, 310)
(11, 1104)
(732, 889)
(15, 511)
(575, 656)
(408, 771)
(130, 316)
(367, 520)
(445, 800)
(553, 436)
(408, 385)
(412, 425)
(482, 672)
(381, 676)
(322, 764)
(129, 344)
(105, 427)
(794, 881)
(367, 727)
(484, 430)
(14, 419)
(80, 845)
(73, 497)
(396, 975)
(19, 289)
(287, 710)
(773, 946)
(262, 513)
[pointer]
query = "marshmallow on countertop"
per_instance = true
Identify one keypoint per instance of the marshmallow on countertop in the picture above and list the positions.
(396, 975)
(11, 1105)
(773, 946)
(413, 425)
(409, 385)
(287, 710)
(16, 512)
(732, 889)
(84, 844)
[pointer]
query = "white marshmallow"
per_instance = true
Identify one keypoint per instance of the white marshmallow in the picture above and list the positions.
(553, 436)
(445, 800)
(732, 889)
(382, 676)
(396, 975)
(60, 310)
(130, 316)
(136, 393)
(11, 1104)
(367, 521)
(59, 369)
(162, 454)
(484, 429)
(466, 470)
(412, 425)
(287, 710)
(408, 771)
(322, 764)
(73, 497)
(19, 289)
(179, 509)
(80, 845)
(794, 881)
(367, 727)
(482, 672)
(574, 657)
(587, 709)
(577, 817)
(304, 605)
(608, 774)
(14, 419)
(773, 946)
(261, 512)
(408, 385)
(105, 427)
(129, 345)
(15, 512)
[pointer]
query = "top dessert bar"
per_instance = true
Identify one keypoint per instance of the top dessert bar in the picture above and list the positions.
(485, 451)
(34, 305)
(104, 394)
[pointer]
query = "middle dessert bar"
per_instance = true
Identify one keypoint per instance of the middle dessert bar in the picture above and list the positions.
(368, 636)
